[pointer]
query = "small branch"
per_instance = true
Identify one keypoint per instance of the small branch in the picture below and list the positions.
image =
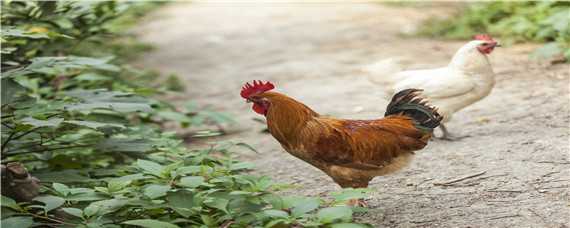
(52, 219)
(553, 162)
(26, 133)
(7, 140)
(505, 216)
(513, 191)
(49, 149)
(426, 221)
(536, 214)
(461, 179)
(6, 125)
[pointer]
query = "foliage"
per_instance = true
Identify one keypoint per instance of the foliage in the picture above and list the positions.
(185, 188)
(546, 21)
(80, 123)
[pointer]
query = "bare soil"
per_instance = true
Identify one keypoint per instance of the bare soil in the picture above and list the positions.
(519, 134)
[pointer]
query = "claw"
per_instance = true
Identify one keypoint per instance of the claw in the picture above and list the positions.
(447, 136)
(357, 203)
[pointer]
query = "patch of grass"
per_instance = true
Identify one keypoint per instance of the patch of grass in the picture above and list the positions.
(546, 22)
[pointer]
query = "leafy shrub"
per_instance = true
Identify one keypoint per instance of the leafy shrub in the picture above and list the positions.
(547, 21)
(77, 121)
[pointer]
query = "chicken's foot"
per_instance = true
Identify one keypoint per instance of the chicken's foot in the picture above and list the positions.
(357, 203)
(447, 136)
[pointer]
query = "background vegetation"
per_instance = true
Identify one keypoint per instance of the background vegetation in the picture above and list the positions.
(537, 21)
(88, 129)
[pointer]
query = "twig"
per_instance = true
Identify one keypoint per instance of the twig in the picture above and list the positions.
(6, 125)
(7, 140)
(487, 177)
(553, 162)
(52, 219)
(537, 215)
(555, 187)
(515, 191)
(48, 149)
(505, 216)
(426, 221)
(461, 179)
(26, 133)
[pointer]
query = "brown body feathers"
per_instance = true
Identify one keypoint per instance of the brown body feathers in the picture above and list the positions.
(352, 152)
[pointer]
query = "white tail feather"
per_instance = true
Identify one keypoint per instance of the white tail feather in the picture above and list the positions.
(382, 72)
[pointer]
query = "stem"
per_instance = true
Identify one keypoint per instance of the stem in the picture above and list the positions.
(47, 149)
(25, 133)
(6, 125)
(52, 219)
(7, 140)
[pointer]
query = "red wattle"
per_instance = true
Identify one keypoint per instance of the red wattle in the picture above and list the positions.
(259, 109)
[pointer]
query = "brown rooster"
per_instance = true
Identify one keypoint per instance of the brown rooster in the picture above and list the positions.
(351, 152)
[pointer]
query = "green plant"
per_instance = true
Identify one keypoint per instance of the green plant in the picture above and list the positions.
(547, 21)
(187, 188)
(95, 140)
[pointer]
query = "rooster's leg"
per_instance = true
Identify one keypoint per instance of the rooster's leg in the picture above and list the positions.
(357, 203)
(355, 183)
(447, 136)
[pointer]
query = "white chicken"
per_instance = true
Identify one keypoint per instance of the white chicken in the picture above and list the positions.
(467, 79)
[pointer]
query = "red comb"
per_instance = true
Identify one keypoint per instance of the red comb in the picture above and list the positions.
(483, 37)
(258, 87)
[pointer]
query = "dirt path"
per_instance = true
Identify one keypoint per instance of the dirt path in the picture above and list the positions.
(313, 52)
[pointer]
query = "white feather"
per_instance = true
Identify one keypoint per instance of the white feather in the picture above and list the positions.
(467, 79)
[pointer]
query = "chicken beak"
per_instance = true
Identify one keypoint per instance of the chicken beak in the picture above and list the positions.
(498, 45)
(248, 101)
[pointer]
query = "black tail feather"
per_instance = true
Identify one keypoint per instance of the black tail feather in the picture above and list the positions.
(409, 102)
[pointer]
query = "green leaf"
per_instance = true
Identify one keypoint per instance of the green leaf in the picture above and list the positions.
(9, 202)
(335, 214)
(53, 122)
(111, 100)
(150, 167)
(65, 176)
(73, 211)
(242, 165)
(93, 124)
(115, 186)
(88, 196)
(218, 203)
(92, 77)
(547, 51)
(150, 223)
(305, 205)
(276, 213)
(191, 182)
(104, 207)
(40, 64)
(51, 202)
(17, 222)
(181, 202)
(132, 177)
(124, 145)
(61, 188)
(189, 169)
(174, 116)
(11, 91)
(9, 31)
(61, 65)
(348, 225)
(560, 21)
(155, 191)
(350, 193)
